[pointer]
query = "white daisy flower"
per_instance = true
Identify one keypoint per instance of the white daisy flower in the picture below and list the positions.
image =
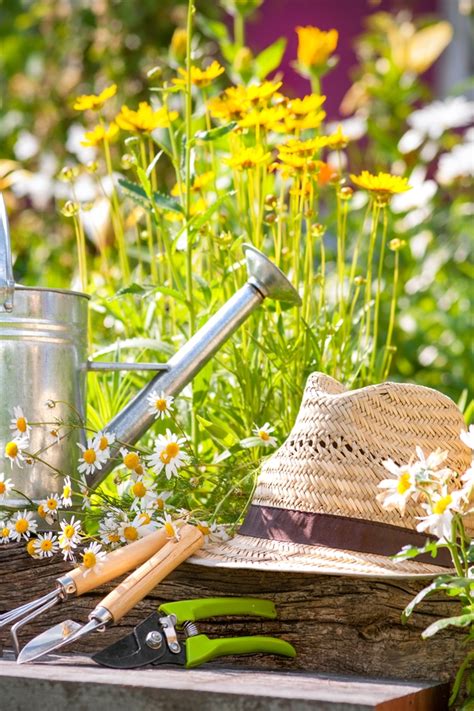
(171, 527)
(67, 551)
(139, 489)
(397, 491)
(6, 530)
(6, 485)
(93, 558)
(85, 493)
(70, 534)
(51, 504)
(46, 545)
(132, 461)
(66, 495)
(440, 514)
(133, 530)
(109, 532)
(32, 548)
(433, 460)
(159, 404)
(103, 440)
(92, 458)
(23, 525)
(468, 437)
(19, 424)
(168, 454)
(154, 502)
(261, 436)
(14, 451)
(49, 517)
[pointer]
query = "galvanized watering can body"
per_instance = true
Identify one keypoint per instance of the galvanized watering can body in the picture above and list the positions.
(43, 368)
(43, 362)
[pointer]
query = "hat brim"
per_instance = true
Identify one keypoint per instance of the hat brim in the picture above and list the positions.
(261, 554)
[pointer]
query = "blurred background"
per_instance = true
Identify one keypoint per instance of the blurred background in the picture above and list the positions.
(404, 94)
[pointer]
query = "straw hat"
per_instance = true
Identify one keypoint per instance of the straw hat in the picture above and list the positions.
(315, 507)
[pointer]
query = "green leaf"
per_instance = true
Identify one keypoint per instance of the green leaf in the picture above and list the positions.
(457, 621)
(160, 199)
(132, 289)
(442, 582)
(270, 58)
(215, 133)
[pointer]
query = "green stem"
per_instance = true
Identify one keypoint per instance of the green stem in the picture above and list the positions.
(239, 30)
(149, 225)
(391, 321)
(379, 288)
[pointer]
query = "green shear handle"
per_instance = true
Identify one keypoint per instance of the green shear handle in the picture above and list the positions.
(202, 608)
(201, 649)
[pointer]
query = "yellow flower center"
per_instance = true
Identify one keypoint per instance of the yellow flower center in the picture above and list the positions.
(3, 487)
(90, 456)
(30, 547)
(22, 525)
(46, 545)
(264, 435)
(41, 511)
(404, 483)
(21, 424)
(130, 533)
(139, 470)
(69, 531)
(169, 528)
(139, 489)
(103, 443)
(160, 404)
(205, 530)
(67, 492)
(114, 537)
(11, 449)
(160, 504)
(170, 451)
(442, 504)
(52, 504)
(5, 532)
(89, 559)
(146, 518)
(131, 460)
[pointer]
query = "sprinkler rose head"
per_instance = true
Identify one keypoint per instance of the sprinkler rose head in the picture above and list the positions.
(270, 280)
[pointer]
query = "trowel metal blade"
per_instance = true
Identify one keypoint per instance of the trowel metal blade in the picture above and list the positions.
(55, 638)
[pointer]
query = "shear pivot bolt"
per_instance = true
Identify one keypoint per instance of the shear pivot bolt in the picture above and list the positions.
(154, 640)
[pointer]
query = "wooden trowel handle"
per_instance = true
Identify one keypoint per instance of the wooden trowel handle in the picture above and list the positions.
(142, 581)
(119, 561)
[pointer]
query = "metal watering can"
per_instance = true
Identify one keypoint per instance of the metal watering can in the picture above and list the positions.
(44, 366)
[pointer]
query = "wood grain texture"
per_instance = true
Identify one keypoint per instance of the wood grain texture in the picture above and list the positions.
(338, 625)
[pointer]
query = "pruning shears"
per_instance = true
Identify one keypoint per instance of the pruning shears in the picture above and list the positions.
(170, 635)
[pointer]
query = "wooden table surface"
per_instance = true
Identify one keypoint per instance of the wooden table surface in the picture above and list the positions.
(74, 683)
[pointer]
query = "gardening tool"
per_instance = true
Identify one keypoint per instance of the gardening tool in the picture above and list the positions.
(121, 600)
(77, 582)
(43, 366)
(155, 640)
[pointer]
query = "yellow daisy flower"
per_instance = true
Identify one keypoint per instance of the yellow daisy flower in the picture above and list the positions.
(225, 107)
(265, 117)
(93, 102)
(307, 105)
(382, 185)
(303, 148)
(338, 139)
(99, 134)
(144, 120)
(315, 46)
(255, 93)
(200, 77)
(248, 158)
(199, 183)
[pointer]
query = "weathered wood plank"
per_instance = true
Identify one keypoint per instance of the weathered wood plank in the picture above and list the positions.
(73, 683)
(338, 625)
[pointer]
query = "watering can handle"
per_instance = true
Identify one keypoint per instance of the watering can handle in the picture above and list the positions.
(7, 283)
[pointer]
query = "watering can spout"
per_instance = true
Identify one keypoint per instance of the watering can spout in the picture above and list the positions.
(265, 281)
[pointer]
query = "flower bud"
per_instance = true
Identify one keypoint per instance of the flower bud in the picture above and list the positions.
(318, 230)
(396, 244)
(345, 193)
(178, 44)
(243, 60)
(70, 208)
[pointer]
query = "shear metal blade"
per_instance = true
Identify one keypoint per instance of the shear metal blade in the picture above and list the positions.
(54, 638)
(133, 650)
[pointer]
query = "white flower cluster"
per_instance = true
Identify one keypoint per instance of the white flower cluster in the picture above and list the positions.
(441, 492)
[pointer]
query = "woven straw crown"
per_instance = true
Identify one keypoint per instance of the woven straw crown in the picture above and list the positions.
(332, 463)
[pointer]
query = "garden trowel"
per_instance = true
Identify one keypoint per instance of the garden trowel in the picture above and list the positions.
(122, 599)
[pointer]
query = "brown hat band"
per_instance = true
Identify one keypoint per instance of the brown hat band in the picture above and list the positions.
(342, 532)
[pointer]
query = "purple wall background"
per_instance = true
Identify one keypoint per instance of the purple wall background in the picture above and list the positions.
(278, 18)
